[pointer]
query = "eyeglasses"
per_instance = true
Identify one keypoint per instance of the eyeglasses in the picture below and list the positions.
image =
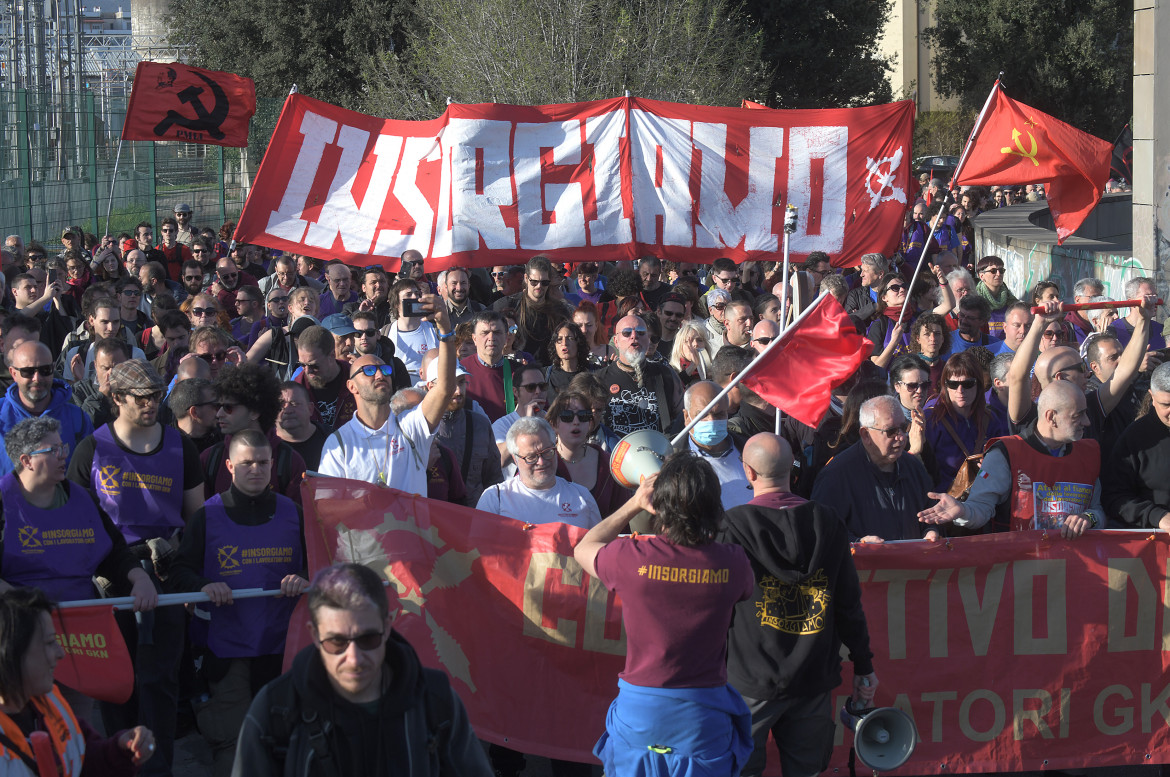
(370, 370)
(993, 270)
(567, 416)
(200, 312)
(61, 450)
(914, 388)
(631, 332)
(335, 646)
(719, 306)
(547, 453)
(193, 278)
(896, 287)
(226, 407)
(961, 384)
(142, 400)
(499, 274)
(132, 292)
(245, 300)
(531, 387)
(892, 432)
(218, 356)
(371, 332)
(44, 370)
(763, 340)
(535, 282)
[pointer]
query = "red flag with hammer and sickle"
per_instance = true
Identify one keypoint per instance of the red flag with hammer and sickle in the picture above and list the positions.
(1020, 145)
(179, 102)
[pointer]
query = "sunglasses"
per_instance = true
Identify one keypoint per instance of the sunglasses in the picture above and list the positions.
(567, 416)
(371, 332)
(668, 314)
(370, 370)
(166, 230)
(719, 306)
(44, 370)
(731, 281)
(499, 274)
(229, 275)
(142, 400)
(245, 299)
(200, 312)
(279, 300)
(961, 384)
(535, 283)
(335, 646)
(218, 356)
(198, 250)
(531, 387)
(915, 387)
(993, 270)
(132, 292)
(226, 407)
(896, 287)
(193, 278)
(630, 332)
(763, 340)
(892, 432)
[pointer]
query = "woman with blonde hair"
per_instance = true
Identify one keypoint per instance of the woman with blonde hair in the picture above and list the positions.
(690, 355)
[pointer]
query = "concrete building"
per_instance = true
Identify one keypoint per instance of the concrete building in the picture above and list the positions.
(902, 44)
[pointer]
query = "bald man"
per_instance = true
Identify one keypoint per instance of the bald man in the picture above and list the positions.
(642, 394)
(1048, 477)
(34, 393)
(710, 440)
(1065, 364)
(764, 333)
(784, 645)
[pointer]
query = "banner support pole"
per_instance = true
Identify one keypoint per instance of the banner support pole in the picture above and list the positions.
(790, 217)
(746, 370)
(113, 182)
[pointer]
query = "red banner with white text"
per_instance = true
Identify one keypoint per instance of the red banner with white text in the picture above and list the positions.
(96, 661)
(612, 179)
(1010, 652)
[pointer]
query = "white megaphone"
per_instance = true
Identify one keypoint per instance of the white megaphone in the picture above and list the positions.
(883, 737)
(639, 455)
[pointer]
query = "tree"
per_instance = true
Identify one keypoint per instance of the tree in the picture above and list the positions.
(823, 54)
(1069, 58)
(531, 52)
(319, 45)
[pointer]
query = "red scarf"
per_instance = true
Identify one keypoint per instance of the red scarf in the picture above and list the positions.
(894, 313)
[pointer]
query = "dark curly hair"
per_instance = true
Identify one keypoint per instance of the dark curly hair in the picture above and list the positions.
(578, 338)
(254, 387)
(625, 283)
(688, 503)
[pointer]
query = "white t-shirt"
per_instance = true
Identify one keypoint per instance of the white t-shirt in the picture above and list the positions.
(565, 502)
(728, 468)
(395, 455)
(501, 426)
(411, 346)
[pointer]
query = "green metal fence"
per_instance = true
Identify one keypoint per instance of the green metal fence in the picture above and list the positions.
(58, 154)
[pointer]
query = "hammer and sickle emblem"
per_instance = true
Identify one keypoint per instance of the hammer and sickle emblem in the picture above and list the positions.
(227, 557)
(1019, 149)
(205, 120)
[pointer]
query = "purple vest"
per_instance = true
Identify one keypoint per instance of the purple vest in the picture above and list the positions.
(58, 550)
(142, 494)
(251, 557)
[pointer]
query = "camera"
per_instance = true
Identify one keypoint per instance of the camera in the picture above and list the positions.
(413, 308)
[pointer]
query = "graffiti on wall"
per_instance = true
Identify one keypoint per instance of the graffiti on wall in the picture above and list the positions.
(1027, 263)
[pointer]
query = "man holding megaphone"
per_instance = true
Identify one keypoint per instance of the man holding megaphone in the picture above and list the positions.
(783, 649)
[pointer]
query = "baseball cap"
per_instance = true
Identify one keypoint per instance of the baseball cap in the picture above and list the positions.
(301, 324)
(135, 376)
(424, 376)
(339, 324)
(182, 207)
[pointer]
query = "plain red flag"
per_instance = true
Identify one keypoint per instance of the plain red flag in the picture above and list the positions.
(179, 102)
(814, 356)
(1019, 145)
(96, 660)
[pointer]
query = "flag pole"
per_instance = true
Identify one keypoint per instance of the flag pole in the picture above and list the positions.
(744, 373)
(113, 181)
(790, 217)
(164, 600)
(979, 122)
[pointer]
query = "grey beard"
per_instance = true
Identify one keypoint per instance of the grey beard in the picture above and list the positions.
(636, 361)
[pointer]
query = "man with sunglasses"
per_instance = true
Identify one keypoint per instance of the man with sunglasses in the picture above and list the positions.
(357, 701)
(229, 279)
(642, 394)
(671, 312)
(192, 402)
(247, 536)
(763, 333)
(378, 447)
(251, 318)
(173, 252)
(875, 488)
(147, 477)
(508, 281)
(530, 389)
(35, 393)
(717, 302)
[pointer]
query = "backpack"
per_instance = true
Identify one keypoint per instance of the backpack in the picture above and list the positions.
(288, 709)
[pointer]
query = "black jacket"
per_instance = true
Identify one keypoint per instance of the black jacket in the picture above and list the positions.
(1135, 488)
(392, 741)
(786, 639)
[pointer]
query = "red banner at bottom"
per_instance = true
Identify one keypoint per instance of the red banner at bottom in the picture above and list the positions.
(96, 660)
(1010, 652)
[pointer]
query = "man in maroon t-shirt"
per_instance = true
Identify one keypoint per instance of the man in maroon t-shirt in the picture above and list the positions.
(487, 368)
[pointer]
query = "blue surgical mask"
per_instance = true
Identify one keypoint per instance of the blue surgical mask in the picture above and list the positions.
(708, 432)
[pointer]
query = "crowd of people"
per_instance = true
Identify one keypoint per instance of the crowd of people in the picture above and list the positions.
(164, 401)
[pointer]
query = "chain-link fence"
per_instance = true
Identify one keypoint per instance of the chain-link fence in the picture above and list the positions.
(59, 152)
